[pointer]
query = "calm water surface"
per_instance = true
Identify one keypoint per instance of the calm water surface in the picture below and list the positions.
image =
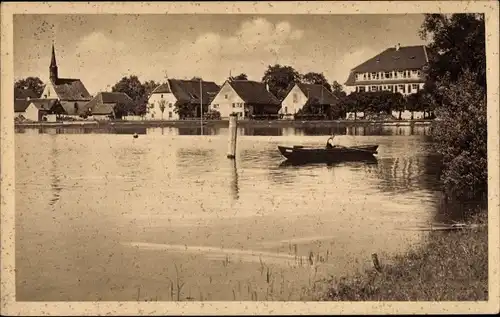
(104, 216)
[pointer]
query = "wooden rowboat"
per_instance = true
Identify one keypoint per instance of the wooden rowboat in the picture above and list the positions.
(335, 154)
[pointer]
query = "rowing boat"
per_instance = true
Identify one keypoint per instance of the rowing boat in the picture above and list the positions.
(335, 154)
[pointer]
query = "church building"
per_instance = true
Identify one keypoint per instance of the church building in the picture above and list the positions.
(71, 92)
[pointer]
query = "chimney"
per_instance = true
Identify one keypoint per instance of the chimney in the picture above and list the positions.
(398, 46)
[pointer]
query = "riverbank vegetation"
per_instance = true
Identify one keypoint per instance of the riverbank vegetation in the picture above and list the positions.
(450, 265)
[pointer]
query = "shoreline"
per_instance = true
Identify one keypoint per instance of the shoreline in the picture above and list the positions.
(225, 123)
(451, 266)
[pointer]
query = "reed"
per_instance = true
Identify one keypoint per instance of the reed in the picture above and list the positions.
(451, 266)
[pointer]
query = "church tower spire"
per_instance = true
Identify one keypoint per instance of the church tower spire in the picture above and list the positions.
(53, 66)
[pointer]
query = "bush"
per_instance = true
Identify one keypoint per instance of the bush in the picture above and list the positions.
(461, 137)
(212, 115)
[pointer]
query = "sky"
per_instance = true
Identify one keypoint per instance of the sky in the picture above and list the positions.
(101, 49)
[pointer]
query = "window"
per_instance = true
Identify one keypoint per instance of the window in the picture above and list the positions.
(161, 96)
(374, 75)
(419, 73)
(361, 88)
(364, 76)
(414, 87)
(388, 75)
(295, 98)
(401, 88)
(225, 96)
(391, 88)
(286, 109)
(216, 106)
(234, 105)
(401, 75)
(369, 76)
(373, 88)
(170, 105)
(170, 114)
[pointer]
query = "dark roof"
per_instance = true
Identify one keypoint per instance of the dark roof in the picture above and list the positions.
(20, 105)
(43, 104)
(189, 90)
(69, 107)
(71, 89)
(107, 108)
(20, 93)
(253, 92)
(162, 89)
(319, 93)
(104, 102)
(407, 57)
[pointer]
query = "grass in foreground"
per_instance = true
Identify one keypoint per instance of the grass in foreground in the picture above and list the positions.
(452, 266)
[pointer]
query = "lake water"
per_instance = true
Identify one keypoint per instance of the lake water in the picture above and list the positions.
(103, 216)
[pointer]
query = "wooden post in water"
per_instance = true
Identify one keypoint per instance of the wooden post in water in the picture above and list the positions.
(233, 131)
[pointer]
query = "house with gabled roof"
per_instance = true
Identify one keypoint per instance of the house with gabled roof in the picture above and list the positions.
(245, 98)
(38, 109)
(177, 92)
(71, 92)
(22, 98)
(102, 106)
(301, 94)
(396, 69)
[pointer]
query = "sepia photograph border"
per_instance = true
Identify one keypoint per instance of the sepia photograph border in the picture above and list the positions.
(9, 306)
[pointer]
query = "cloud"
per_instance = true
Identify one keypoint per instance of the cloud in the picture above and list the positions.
(350, 59)
(102, 60)
(257, 42)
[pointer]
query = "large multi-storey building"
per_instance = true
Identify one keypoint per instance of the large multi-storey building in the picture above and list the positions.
(397, 69)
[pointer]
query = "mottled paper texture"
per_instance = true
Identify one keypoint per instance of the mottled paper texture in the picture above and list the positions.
(85, 214)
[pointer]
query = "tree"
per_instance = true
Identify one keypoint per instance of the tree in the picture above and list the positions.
(162, 105)
(458, 44)
(280, 79)
(136, 90)
(131, 85)
(33, 83)
(457, 89)
(185, 110)
(461, 137)
(121, 110)
(241, 76)
(316, 79)
(337, 90)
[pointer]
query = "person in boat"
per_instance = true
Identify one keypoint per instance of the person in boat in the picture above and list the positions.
(329, 143)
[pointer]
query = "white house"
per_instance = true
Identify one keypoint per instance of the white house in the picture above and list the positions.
(301, 94)
(38, 109)
(161, 104)
(175, 92)
(397, 69)
(245, 98)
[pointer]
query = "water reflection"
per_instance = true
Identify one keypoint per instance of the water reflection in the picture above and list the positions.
(337, 129)
(235, 190)
(55, 183)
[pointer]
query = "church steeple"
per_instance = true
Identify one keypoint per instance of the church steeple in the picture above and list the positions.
(53, 66)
